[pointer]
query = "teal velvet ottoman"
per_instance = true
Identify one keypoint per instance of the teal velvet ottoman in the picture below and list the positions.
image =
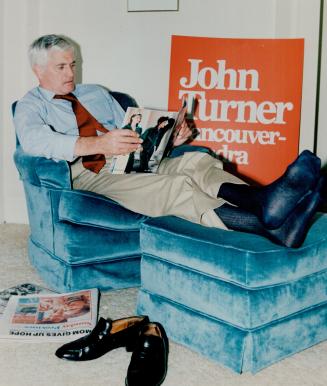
(237, 298)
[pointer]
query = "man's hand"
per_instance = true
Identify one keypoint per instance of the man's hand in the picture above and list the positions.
(120, 141)
(115, 142)
(183, 134)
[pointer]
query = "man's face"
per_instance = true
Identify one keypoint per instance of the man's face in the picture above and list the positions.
(58, 74)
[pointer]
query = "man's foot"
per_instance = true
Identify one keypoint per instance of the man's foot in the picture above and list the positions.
(273, 203)
(293, 231)
(279, 198)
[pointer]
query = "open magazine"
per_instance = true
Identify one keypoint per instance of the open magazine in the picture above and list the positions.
(158, 129)
(50, 317)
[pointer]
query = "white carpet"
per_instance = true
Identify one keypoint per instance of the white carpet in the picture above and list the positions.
(26, 364)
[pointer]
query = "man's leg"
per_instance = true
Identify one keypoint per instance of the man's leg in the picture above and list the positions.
(179, 195)
(204, 170)
(288, 204)
(152, 195)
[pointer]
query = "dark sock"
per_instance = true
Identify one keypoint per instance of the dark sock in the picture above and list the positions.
(238, 219)
(294, 229)
(274, 202)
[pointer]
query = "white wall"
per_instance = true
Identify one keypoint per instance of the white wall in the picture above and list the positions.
(130, 52)
(302, 20)
(1, 114)
(322, 123)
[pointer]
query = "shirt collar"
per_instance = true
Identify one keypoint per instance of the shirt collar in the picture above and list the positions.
(48, 95)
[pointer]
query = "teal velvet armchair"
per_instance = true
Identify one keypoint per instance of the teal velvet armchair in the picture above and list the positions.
(78, 239)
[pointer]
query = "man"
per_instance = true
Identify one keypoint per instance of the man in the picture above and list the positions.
(193, 187)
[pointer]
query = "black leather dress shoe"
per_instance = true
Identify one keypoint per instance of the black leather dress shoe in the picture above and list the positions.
(148, 366)
(106, 336)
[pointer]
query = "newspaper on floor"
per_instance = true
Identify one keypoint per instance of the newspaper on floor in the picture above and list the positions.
(20, 289)
(50, 317)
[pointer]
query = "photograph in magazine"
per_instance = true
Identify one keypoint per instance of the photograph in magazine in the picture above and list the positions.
(20, 289)
(39, 310)
(51, 315)
(158, 129)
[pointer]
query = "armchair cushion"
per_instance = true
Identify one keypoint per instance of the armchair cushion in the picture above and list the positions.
(78, 245)
(248, 260)
(91, 209)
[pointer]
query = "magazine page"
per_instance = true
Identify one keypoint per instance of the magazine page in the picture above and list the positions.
(50, 317)
(152, 126)
(167, 141)
(20, 289)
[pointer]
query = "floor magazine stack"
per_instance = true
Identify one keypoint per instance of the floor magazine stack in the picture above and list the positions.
(29, 312)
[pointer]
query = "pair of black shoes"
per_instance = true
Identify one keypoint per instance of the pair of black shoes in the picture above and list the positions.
(148, 341)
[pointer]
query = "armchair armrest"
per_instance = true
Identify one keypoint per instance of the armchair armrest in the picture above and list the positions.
(41, 171)
(180, 150)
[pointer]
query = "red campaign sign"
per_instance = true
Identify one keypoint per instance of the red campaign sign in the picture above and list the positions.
(245, 98)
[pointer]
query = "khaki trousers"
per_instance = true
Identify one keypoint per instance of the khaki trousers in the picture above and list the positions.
(185, 187)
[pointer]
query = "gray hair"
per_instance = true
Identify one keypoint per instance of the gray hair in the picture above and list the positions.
(39, 49)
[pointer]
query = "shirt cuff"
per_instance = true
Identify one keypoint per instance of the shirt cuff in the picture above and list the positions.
(65, 147)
